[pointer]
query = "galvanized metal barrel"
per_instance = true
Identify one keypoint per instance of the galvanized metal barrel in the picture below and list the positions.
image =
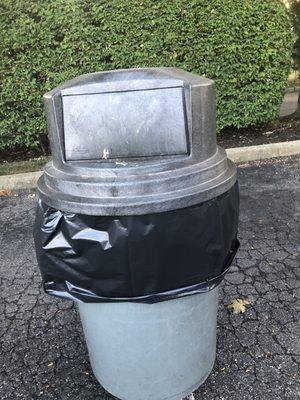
(160, 351)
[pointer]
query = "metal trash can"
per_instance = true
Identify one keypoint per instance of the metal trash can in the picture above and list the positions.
(152, 351)
(137, 222)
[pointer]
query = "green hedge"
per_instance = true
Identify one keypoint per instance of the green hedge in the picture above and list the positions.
(295, 10)
(244, 45)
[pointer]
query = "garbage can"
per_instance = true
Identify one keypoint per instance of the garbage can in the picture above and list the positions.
(137, 222)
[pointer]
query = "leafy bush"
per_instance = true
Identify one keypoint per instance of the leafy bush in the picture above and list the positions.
(244, 45)
(295, 9)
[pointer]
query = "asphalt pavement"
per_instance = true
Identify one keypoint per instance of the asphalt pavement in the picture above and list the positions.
(42, 350)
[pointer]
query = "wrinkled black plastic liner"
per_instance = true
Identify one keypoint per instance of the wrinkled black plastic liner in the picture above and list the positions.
(145, 258)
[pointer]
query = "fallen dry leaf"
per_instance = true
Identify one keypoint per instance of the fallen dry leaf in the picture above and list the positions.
(5, 192)
(237, 306)
(51, 364)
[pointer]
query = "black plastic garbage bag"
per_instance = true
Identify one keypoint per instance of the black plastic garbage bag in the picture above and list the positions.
(144, 258)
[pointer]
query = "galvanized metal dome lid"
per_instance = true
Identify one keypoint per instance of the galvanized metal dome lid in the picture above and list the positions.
(132, 142)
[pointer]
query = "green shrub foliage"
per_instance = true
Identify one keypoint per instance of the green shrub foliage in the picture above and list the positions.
(295, 10)
(244, 45)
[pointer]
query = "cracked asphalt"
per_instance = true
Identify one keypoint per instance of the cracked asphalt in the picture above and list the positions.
(42, 350)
